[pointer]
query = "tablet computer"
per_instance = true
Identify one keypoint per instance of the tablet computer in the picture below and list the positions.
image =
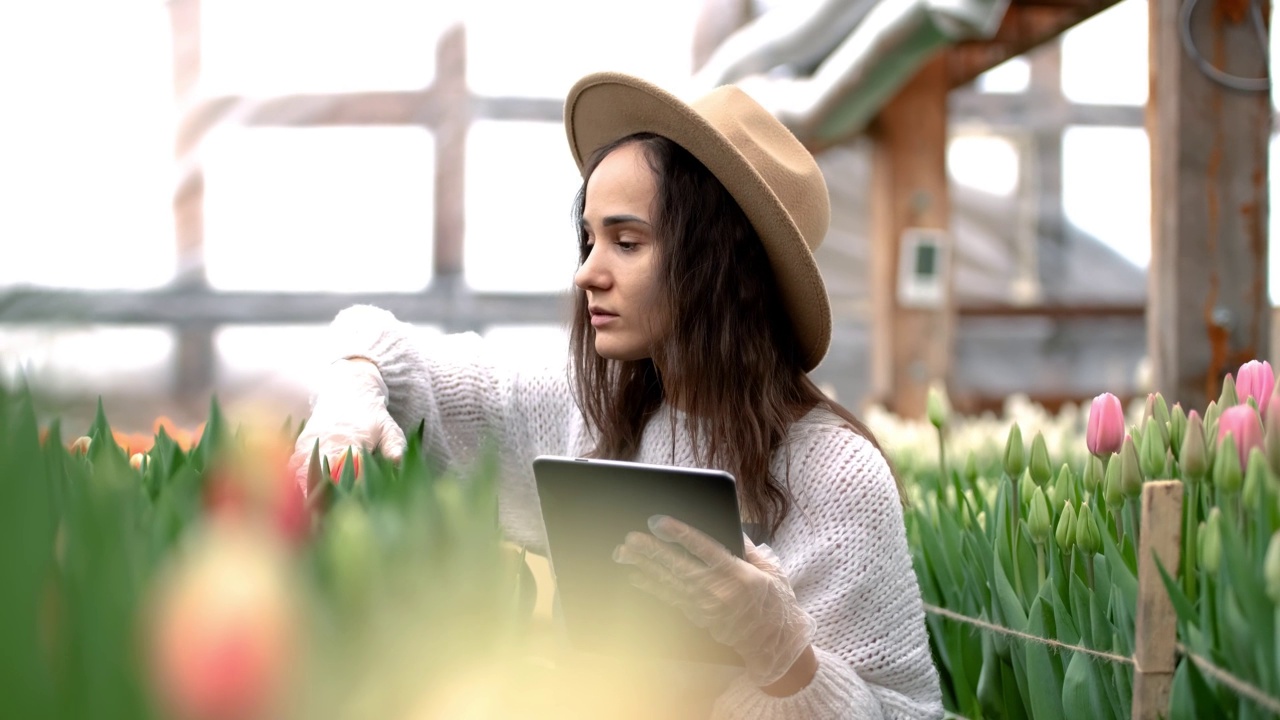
(588, 507)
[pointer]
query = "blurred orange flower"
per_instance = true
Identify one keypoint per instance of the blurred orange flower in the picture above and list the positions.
(183, 437)
(133, 443)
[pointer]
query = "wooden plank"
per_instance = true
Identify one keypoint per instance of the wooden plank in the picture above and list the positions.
(1155, 627)
(188, 196)
(450, 152)
(1049, 242)
(179, 305)
(1208, 304)
(1074, 311)
(1034, 111)
(193, 357)
(1024, 27)
(910, 347)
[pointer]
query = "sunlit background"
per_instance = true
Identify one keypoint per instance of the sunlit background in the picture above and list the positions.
(88, 169)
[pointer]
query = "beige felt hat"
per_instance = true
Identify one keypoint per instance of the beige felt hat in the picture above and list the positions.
(772, 176)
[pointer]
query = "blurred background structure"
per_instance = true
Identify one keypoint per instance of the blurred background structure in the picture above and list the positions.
(191, 190)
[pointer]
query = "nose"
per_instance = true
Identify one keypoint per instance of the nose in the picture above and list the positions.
(591, 275)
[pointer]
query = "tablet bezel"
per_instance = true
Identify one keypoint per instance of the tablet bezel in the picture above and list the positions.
(588, 506)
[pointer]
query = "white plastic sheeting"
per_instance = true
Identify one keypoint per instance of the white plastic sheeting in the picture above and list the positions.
(825, 67)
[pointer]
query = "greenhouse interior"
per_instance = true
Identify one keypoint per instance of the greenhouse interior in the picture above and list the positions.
(969, 304)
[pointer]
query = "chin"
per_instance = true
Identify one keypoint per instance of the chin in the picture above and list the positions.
(611, 351)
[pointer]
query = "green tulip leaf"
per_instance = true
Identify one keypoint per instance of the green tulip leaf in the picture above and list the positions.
(1044, 669)
(1080, 610)
(1182, 606)
(1243, 577)
(990, 692)
(1011, 609)
(1122, 574)
(958, 638)
(1066, 624)
(1083, 695)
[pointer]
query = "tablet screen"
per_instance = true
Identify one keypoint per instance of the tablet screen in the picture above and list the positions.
(588, 507)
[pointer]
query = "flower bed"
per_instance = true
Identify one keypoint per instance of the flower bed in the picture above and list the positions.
(184, 575)
(1028, 563)
(195, 582)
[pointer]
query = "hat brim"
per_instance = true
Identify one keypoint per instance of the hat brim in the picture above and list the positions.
(604, 107)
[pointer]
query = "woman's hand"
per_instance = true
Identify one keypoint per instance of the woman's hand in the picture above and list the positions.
(746, 604)
(349, 411)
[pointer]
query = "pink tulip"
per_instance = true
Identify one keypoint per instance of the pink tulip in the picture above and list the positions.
(1106, 425)
(1245, 426)
(223, 636)
(1256, 380)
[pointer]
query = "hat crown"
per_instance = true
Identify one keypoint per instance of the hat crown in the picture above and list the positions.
(782, 162)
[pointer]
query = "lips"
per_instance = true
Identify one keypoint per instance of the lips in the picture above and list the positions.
(601, 317)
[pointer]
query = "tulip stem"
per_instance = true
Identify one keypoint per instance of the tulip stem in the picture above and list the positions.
(1016, 499)
(1133, 517)
(1088, 569)
(942, 458)
(1040, 575)
(1191, 512)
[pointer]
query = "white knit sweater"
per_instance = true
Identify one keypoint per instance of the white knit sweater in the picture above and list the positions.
(843, 546)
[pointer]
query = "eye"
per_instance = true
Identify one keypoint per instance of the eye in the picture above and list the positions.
(627, 245)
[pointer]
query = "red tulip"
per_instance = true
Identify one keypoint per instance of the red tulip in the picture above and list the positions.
(1256, 380)
(257, 484)
(1245, 426)
(1106, 425)
(335, 470)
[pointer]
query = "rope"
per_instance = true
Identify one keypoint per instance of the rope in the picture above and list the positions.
(1056, 645)
(1239, 686)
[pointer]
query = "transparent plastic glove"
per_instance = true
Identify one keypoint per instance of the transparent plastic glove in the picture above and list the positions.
(349, 410)
(746, 604)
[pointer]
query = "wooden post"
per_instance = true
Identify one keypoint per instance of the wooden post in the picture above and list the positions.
(911, 347)
(450, 142)
(194, 350)
(1208, 308)
(1155, 628)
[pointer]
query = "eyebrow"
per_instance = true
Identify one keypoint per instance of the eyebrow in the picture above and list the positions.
(618, 220)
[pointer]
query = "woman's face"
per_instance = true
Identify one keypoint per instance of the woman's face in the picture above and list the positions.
(620, 272)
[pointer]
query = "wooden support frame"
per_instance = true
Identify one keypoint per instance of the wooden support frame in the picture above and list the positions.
(1155, 626)
(1026, 25)
(1208, 307)
(910, 347)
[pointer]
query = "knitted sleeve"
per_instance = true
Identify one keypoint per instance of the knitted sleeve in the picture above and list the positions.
(461, 394)
(844, 548)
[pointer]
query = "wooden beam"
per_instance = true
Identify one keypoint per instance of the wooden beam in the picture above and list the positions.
(1208, 304)
(1024, 27)
(910, 347)
(188, 196)
(450, 150)
(179, 305)
(1075, 311)
(193, 356)
(1034, 111)
(1048, 241)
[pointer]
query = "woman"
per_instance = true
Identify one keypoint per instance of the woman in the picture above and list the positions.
(699, 312)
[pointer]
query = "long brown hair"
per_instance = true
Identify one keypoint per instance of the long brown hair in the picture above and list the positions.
(731, 361)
